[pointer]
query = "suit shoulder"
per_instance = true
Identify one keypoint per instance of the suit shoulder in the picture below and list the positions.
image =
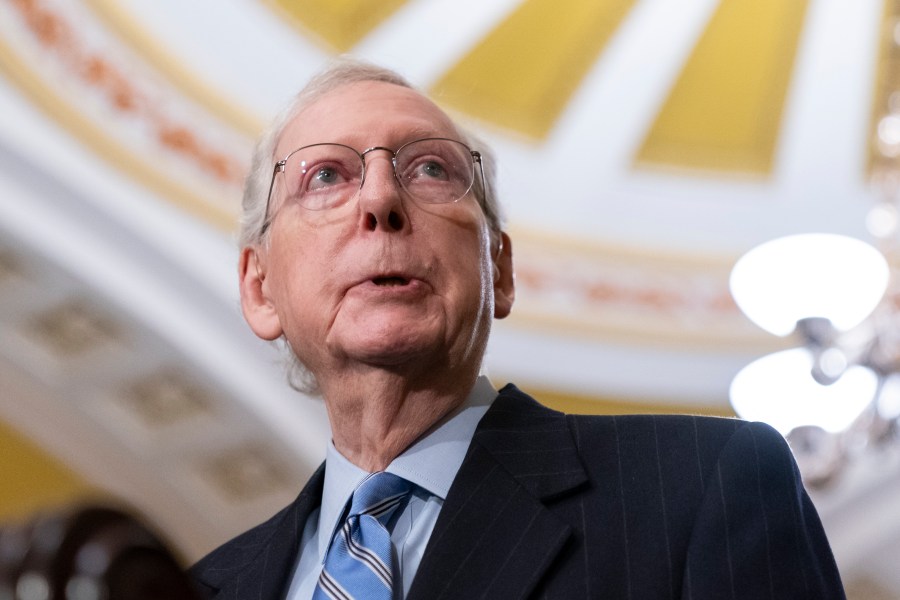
(708, 435)
(637, 424)
(713, 438)
(511, 398)
(696, 425)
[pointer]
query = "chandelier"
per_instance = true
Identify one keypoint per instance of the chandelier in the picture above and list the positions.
(837, 391)
(835, 394)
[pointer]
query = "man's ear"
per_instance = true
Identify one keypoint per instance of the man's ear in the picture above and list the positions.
(504, 278)
(259, 311)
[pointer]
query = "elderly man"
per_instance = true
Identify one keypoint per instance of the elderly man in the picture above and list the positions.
(372, 245)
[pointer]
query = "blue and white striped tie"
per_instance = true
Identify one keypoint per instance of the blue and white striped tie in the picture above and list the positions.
(359, 564)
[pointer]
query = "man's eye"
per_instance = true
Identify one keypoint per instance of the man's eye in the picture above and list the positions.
(324, 177)
(429, 169)
(433, 169)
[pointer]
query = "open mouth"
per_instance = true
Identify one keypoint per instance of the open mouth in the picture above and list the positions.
(390, 281)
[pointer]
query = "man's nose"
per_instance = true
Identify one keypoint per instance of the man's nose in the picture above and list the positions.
(380, 198)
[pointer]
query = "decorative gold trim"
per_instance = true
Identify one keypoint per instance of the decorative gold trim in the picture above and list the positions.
(587, 247)
(620, 294)
(579, 325)
(679, 323)
(118, 155)
(189, 82)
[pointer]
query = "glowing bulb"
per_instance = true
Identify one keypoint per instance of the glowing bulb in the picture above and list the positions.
(779, 389)
(811, 275)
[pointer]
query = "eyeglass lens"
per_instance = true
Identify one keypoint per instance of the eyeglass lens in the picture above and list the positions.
(325, 176)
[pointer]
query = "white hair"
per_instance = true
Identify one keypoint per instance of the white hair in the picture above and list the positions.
(342, 71)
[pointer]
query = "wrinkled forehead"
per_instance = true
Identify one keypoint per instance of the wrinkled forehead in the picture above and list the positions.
(366, 114)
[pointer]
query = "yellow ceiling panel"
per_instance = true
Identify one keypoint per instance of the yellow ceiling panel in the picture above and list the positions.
(724, 112)
(131, 30)
(341, 23)
(884, 149)
(33, 480)
(523, 73)
(587, 405)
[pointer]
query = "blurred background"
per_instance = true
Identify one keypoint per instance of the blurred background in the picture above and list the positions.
(644, 146)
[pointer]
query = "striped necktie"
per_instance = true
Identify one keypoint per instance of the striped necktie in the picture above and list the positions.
(359, 563)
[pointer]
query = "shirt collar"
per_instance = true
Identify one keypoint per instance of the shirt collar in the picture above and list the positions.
(431, 463)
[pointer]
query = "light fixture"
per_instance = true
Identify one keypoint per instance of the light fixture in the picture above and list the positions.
(781, 390)
(813, 275)
(826, 291)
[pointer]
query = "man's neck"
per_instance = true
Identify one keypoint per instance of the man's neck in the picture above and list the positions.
(375, 417)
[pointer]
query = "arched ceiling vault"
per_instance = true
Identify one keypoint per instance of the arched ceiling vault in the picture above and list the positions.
(643, 146)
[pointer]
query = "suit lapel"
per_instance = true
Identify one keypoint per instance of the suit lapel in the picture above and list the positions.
(495, 536)
(259, 563)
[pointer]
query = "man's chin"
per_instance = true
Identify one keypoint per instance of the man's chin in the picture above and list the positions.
(390, 353)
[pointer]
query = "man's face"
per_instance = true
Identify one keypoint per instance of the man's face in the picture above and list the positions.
(381, 280)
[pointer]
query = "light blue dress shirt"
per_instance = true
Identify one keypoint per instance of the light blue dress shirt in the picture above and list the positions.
(431, 464)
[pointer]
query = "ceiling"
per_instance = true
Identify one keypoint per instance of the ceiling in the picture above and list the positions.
(643, 146)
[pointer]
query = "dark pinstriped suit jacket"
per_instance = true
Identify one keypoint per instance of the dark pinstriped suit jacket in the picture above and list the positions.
(548, 505)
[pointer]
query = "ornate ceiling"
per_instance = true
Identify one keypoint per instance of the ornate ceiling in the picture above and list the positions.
(643, 146)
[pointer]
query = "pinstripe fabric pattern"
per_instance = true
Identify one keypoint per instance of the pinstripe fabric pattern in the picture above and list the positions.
(567, 507)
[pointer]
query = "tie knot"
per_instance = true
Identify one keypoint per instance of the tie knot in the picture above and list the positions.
(360, 561)
(379, 495)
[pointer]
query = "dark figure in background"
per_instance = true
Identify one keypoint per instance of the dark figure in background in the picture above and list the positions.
(89, 553)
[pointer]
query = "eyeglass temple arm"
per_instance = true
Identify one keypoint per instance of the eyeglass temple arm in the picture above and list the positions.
(476, 156)
(279, 168)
